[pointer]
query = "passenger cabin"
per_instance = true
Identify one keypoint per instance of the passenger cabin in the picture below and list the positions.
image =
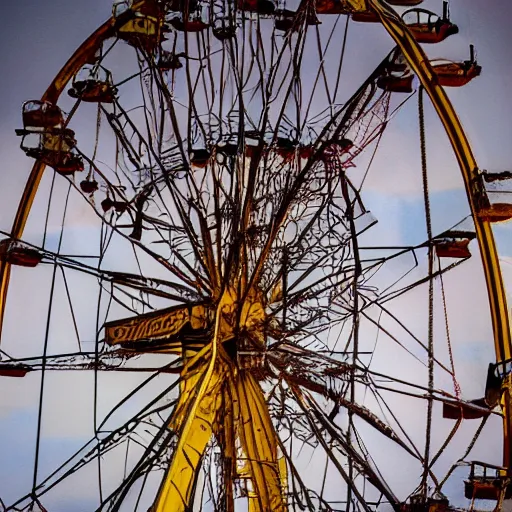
(119, 206)
(194, 23)
(139, 23)
(286, 148)
(200, 157)
(474, 409)
(493, 199)
(68, 164)
(438, 503)
(93, 84)
(418, 503)
(453, 244)
(224, 29)
(8, 369)
(393, 81)
(487, 482)
(497, 212)
(54, 147)
(456, 74)
(89, 186)
(306, 151)
(395, 74)
(44, 138)
(18, 253)
(428, 27)
(261, 7)
(39, 115)
(286, 20)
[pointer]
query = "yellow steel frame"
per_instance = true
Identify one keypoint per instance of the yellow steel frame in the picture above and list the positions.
(199, 403)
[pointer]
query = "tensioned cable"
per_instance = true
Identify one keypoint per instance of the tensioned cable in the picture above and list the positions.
(430, 345)
(45, 352)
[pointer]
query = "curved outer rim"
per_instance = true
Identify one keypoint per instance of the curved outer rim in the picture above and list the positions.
(421, 66)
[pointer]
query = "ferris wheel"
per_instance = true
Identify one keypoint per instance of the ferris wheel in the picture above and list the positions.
(199, 270)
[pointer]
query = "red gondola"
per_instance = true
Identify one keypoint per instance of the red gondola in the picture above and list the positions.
(194, 24)
(497, 212)
(53, 148)
(396, 82)
(41, 114)
(456, 74)
(487, 482)
(262, 7)
(428, 27)
(18, 253)
(68, 163)
(475, 409)
(224, 31)
(489, 206)
(453, 249)
(94, 85)
(306, 151)
(14, 369)
(330, 7)
(200, 157)
(285, 148)
(89, 186)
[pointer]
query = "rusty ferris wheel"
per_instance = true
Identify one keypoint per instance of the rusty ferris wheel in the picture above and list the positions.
(228, 256)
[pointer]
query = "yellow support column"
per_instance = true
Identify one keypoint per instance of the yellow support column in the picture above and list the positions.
(194, 423)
